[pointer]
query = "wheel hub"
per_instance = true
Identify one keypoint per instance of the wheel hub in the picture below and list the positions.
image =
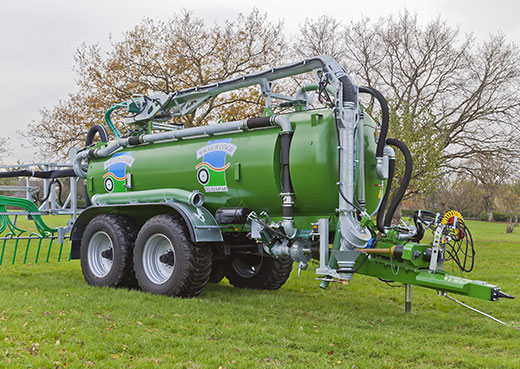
(107, 254)
(158, 258)
(100, 254)
(167, 258)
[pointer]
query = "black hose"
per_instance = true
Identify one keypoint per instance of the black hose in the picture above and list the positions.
(54, 180)
(404, 183)
(39, 174)
(385, 117)
(287, 187)
(381, 211)
(259, 122)
(349, 92)
(96, 128)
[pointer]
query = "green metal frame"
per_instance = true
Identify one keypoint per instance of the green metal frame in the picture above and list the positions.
(10, 232)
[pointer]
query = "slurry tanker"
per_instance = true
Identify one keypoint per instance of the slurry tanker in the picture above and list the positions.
(174, 208)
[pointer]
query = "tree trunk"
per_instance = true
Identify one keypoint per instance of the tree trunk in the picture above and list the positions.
(396, 219)
(488, 207)
(511, 226)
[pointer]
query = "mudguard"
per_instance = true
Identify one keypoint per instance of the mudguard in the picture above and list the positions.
(201, 224)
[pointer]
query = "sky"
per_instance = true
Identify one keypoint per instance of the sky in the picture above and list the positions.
(39, 39)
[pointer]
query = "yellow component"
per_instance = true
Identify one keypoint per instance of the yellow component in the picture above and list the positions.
(451, 214)
(388, 251)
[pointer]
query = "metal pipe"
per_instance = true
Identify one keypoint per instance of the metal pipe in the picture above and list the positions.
(323, 230)
(152, 105)
(45, 205)
(52, 199)
(381, 191)
(73, 196)
(194, 131)
(287, 194)
(355, 235)
(153, 137)
(28, 194)
(361, 162)
(193, 198)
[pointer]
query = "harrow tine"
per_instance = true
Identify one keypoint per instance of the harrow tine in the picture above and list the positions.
(26, 251)
(38, 251)
(49, 250)
(15, 250)
(3, 250)
(59, 254)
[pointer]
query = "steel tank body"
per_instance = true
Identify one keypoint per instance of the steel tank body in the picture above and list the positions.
(241, 169)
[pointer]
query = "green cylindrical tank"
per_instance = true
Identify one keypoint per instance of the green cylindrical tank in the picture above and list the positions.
(242, 169)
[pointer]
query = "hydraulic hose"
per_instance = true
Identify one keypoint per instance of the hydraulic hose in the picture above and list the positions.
(349, 91)
(404, 183)
(59, 173)
(103, 137)
(96, 128)
(385, 118)
(109, 120)
(380, 201)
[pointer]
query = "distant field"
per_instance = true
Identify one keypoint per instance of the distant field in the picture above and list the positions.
(50, 318)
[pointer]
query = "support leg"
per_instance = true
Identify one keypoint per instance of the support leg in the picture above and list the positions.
(408, 298)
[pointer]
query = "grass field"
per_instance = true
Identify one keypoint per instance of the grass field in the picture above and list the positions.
(50, 318)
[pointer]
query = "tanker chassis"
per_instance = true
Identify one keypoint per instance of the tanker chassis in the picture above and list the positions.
(174, 208)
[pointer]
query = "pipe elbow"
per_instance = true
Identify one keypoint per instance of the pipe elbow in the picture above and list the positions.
(76, 165)
(288, 227)
(388, 151)
(283, 123)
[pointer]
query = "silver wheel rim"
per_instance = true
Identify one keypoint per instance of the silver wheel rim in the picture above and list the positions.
(245, 269)
(100, 243)
(156, 270)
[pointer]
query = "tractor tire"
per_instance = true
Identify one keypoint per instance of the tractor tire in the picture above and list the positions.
(166, 262)
(217, 271)
(258, 272)
(106, 251)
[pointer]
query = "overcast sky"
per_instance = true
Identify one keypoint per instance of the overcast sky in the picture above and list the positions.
(39, 38)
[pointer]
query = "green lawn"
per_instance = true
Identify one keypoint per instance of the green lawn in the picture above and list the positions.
(50, 318)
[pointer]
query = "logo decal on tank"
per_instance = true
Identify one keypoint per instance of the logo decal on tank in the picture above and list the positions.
(115, 179)
(211, 172)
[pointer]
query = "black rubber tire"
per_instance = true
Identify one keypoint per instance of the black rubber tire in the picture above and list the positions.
(270, 273)
(122, 233)
(217, 271)
(191, 265)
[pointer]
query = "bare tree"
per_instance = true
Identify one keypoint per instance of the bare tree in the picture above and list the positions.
(4, 148)
(459, 99)
(163, 57)
(321, 37)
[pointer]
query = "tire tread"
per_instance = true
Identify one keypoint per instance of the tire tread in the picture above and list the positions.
(126, 233)
(272, 275)
(196, 260)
